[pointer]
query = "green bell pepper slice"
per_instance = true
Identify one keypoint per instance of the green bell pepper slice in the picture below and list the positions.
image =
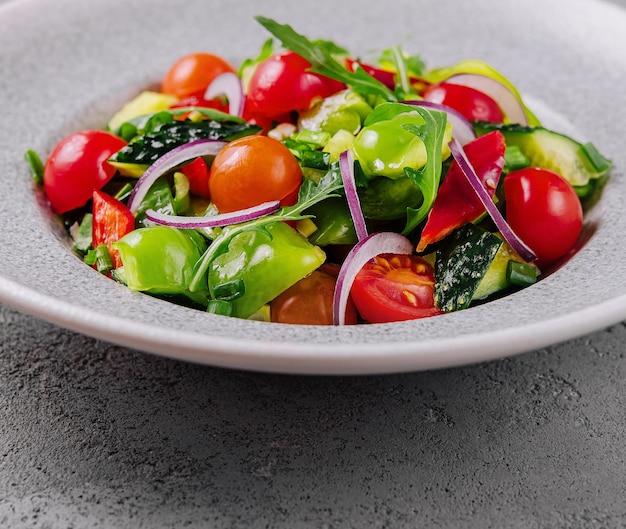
(261, 263)
(159, 260)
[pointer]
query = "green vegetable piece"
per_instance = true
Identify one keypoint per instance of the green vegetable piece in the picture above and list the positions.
(35, 164)
(159, 198)
(220, 307)
(333, 221)
(83, 235)
(515, 159)
(182, 200)
(386, 199)
(521, 274)
(267, 262)
(320, 55)
(100, 258)
(345, 110)
(575, 162)
(160, 260)
(146, 102)
(169, 134)
(461, 266)
(496, 278)
(230, 291)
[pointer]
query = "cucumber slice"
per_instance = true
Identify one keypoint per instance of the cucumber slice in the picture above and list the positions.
(495, 279)
(576, 162)
(461, 265)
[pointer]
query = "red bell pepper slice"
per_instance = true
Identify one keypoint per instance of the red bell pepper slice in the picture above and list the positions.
(111, 221)
(457, 203)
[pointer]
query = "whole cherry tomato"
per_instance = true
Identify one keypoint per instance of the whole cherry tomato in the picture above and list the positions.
(473, 104)
(310, 301)
(78, 166)
(395, 288)
(190, 75)
(252, 170)
(282, 83)
(543, 209)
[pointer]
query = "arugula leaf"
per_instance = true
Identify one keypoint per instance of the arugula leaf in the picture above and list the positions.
(310, 194)
(427, 178)
(319, 54)
(35, 164)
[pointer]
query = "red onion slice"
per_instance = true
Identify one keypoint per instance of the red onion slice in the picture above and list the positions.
(214, 221)
(169, 161)
(508, 102)
(346, 166)
(462, 128)
(361, 253)
(229, 85)
(507, 233)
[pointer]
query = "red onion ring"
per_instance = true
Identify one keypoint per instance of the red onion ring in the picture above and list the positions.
(361, 253)
(229, 85)
(169, 161)
(507, 233)
(213, 221)
(346, 166)
(462, 128)
(508, 102)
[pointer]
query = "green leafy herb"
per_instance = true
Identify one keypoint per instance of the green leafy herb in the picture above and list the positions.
(36, 166)
(320, 55)
(428, 177)
(82, 236)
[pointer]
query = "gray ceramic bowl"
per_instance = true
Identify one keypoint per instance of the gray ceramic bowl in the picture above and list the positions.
(67, 65)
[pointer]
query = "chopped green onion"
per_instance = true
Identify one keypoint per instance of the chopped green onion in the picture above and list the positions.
(101, 258)
(230, 291)
(220, 307)
(521, 274)
(515, 159)
(36, 166)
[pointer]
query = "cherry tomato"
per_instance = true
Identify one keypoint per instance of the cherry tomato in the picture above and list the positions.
(190, 75)
(384, 76)
(282, 83)
(252, 170)
(111, 221)
(77, 166)
(473, 104)
(310, 301)
(543, 209)
(197, 172)
(395, 288)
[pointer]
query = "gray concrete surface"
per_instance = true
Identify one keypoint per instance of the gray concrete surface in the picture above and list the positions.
(97, 436)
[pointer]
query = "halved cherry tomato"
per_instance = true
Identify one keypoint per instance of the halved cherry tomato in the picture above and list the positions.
(252, 170)
(473, 104)
(310, 301)
(191, 75)
(111, 221)
(197, 172)
(543, 209)
(282, 83)
(395, 288)
(77, 166)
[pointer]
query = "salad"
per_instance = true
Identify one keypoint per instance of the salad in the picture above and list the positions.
(309, 186)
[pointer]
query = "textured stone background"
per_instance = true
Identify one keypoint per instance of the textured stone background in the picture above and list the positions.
(97, 436)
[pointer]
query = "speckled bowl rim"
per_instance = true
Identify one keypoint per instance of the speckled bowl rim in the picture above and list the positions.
(68, 64)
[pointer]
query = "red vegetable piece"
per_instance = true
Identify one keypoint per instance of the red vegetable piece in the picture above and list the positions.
(457, 203)
(111, 221)
(197, 172)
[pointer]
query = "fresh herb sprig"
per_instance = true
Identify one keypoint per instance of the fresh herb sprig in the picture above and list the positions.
(323, 63)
